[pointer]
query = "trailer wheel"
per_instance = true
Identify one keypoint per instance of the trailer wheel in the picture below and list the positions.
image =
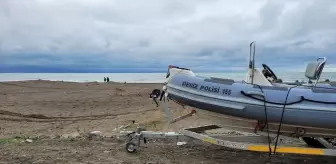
(131, 147)
(312, 142)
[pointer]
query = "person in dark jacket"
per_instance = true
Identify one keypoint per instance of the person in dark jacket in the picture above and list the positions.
(104, 79)
(108, 79)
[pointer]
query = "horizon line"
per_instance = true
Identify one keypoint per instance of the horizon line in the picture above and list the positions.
(164, 72)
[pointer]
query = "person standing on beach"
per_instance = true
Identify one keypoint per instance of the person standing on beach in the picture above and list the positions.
(108, 79)
(104, 79)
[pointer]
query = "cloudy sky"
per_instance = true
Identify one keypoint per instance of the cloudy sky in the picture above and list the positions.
(148, 35)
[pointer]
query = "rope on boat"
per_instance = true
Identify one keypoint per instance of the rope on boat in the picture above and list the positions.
(282, 114)
(266, 120)
(276, 103)
(302, 98)
(316, 101)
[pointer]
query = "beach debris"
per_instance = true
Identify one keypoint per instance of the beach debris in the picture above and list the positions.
(122, 127)
(234, 133)
(181, 143)
(119, 89)
(96, 132)
(71, 135)
(95, 135)
(29, 140)
(151, 162)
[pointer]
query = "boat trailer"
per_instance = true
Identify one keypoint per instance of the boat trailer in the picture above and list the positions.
(259, 141)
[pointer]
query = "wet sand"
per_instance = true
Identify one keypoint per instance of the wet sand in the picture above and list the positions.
(58, 115)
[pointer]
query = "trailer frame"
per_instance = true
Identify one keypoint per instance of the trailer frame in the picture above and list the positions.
(134, 138)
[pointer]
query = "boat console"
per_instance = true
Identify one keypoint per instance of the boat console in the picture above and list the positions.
(313, 72)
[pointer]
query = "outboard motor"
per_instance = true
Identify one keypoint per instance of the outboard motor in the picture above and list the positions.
(154, 95)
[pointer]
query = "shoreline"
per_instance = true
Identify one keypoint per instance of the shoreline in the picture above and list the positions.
(137, 78)
(62, 81)
(115, 82)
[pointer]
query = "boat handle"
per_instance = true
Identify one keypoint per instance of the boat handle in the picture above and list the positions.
(255, 93)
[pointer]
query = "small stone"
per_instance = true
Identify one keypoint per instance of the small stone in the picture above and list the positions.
(64, 136)
(29, 140)
(71, 135)
(74, 135)
(95, 135)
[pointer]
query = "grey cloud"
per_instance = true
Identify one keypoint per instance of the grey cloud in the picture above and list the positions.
(171, 30)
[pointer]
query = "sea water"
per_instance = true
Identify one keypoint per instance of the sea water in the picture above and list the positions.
(143, 77)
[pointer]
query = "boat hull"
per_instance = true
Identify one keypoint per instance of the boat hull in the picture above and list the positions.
(302, 114)
(249, 126)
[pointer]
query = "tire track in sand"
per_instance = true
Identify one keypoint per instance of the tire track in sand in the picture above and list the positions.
(19, 117)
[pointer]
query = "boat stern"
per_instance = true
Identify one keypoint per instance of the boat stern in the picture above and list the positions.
(174, 70)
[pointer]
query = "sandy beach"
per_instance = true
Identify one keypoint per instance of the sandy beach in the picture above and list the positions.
(57, 116)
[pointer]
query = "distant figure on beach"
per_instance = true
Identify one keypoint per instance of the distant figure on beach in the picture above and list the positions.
(108, 79)
(104, 79)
